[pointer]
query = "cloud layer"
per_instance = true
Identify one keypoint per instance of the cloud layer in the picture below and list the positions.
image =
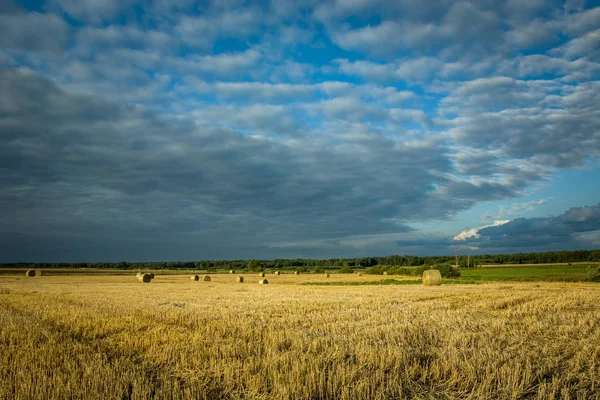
(172, 130)
(577, 228)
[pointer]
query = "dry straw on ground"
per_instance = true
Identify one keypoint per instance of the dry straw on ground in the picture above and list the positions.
(432, 277)
(263, 281)
(195, 278)
(240, 279)
(4, 290)
(100, 337)
(206, 278)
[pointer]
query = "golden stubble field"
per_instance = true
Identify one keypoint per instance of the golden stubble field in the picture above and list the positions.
(111, 337)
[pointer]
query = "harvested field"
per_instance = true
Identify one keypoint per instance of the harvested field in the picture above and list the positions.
(110, 337)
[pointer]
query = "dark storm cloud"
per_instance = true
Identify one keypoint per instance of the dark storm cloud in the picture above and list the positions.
(80, 169)
(222, 130)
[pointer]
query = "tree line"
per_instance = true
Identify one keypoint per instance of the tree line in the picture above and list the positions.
(311, 264)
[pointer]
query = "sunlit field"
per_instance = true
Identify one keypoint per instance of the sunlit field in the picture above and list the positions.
(550, 272)
(112, 337)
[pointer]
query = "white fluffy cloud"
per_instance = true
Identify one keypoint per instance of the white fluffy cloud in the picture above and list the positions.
(474, 232)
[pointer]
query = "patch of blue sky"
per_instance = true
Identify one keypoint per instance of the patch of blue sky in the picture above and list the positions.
(563, 190)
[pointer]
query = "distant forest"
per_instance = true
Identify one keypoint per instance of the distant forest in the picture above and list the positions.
(306, 264)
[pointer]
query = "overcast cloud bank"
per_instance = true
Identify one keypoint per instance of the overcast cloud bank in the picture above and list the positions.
(290, 129)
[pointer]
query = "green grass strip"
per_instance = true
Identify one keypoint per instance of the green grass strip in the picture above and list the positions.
(389, 282)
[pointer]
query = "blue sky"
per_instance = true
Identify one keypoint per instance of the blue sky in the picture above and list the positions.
(183, 130)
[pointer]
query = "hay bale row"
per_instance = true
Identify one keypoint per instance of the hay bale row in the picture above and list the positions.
(432, 277)
(239, 279)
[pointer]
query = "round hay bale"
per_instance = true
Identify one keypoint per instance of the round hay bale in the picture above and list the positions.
(327, 275)
(432, 277)
(277, 272)
(359, 274)
(296, 272)
(240, 279)
(206, 278)
(30, 273)
(145, 278)
(262, 274)
(263, 282)
(151, 275)
(232, 271)
(195, 278)
(385, 272)
(39, 272)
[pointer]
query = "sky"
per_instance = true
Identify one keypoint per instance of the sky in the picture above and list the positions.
(184, 130)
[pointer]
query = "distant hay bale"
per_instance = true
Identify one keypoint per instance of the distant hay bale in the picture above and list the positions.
(30, 273)
(327, 275)
(240, 279)
(145, 278)
(359, 274)
(296, 272)
(385, 272)
(263, 282)
(39, 272)
(195, 278)
(151, 275)
(432, 277)
(277, 273)
(206, 278)
(262, 274)
(4, 290)
(232, 271)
